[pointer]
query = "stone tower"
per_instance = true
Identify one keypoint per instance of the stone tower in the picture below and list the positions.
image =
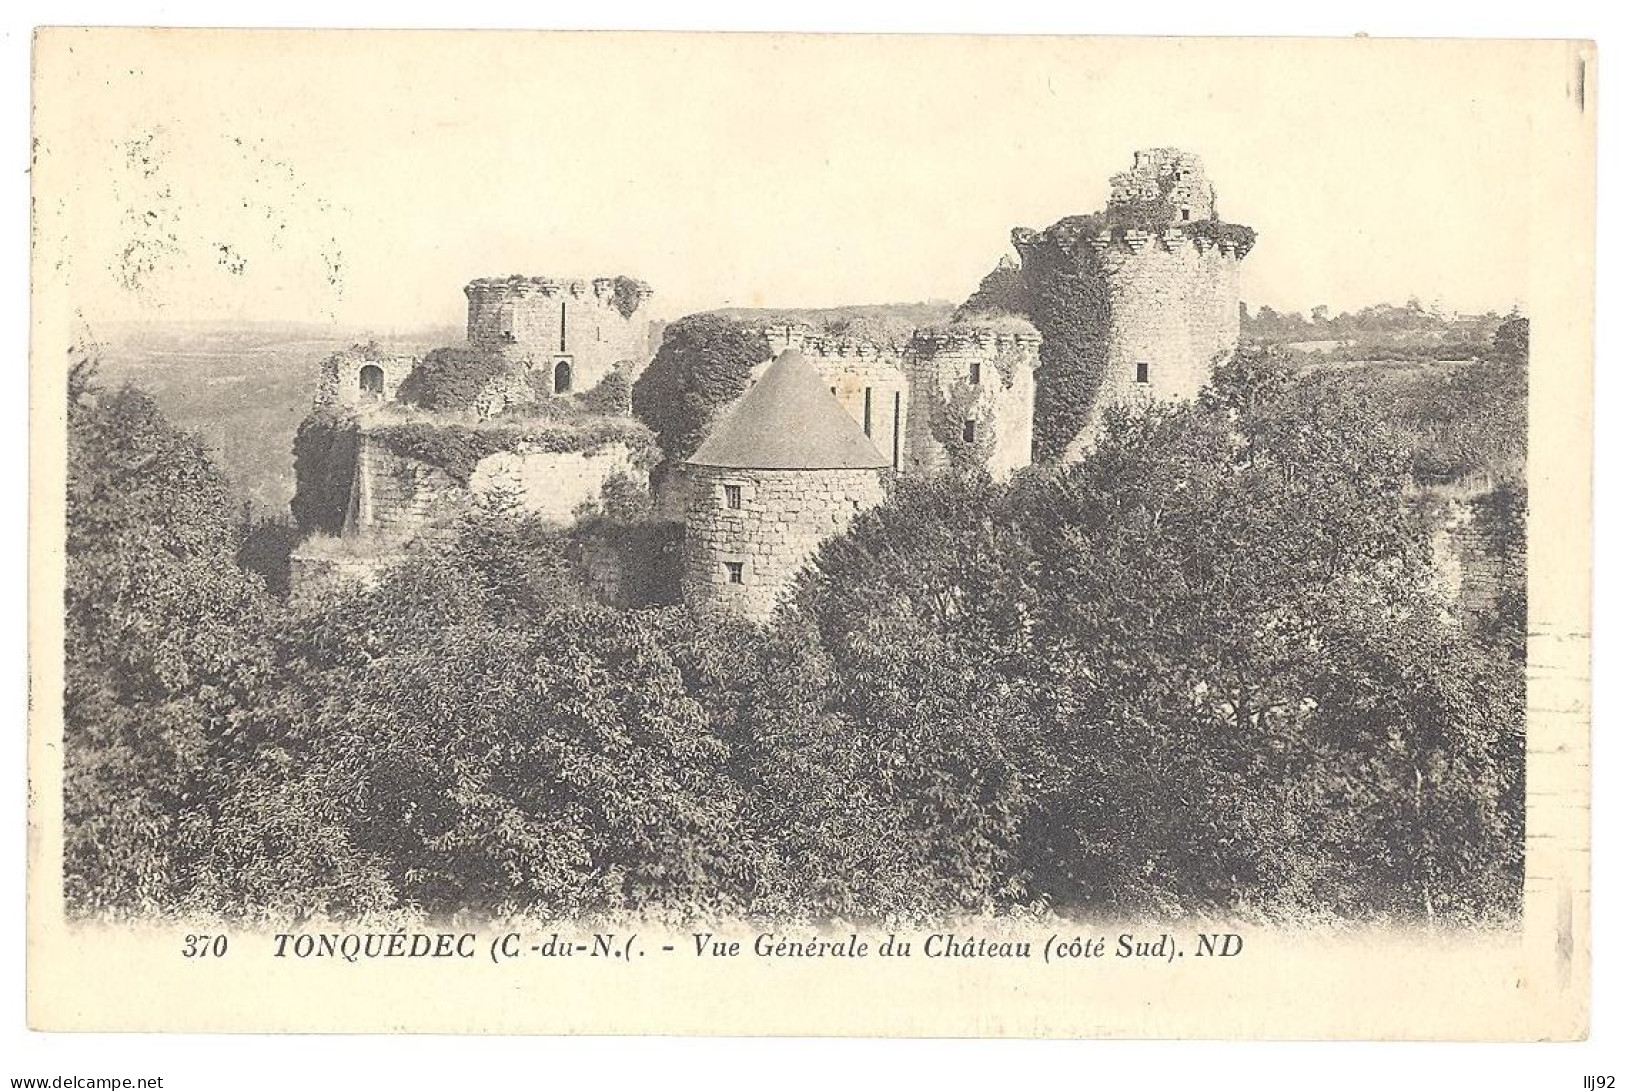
(1149, 290)
(577, 330)
(783, 470)
(971, 387)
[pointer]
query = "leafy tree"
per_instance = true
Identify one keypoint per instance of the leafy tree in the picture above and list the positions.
(704, 363)
(178, 785)
(1221, 618)
(555, 766)
(164, 647)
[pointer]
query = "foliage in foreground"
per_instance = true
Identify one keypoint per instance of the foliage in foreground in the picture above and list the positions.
(1199, 671)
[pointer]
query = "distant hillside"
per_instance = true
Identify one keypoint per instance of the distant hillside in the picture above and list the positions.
(1380, 332)
(244, 389)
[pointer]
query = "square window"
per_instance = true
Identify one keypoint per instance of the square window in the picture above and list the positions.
(736, 571)
(733, 496)
(1142, 372)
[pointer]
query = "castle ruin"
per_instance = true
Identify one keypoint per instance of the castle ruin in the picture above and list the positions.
(532, 406)
(1149, 288)
(1118, 308)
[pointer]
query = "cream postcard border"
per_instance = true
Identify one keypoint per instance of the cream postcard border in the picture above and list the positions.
(1349, 984)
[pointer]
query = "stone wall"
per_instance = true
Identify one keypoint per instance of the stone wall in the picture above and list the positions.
(554, 484)
(361, 378)
(1479, 552)
(398, 497)
(395, 497)
(588, 326)
(978, 380)
(784, 516)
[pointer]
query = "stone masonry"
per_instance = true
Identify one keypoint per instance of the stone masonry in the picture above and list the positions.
(783, 517)
(1165, 271)
(362, 377)
(1170, 176)
(395, 498)
(577, 330)
(971, 391)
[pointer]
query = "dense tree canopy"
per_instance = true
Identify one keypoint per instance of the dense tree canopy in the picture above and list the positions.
(1202, 669)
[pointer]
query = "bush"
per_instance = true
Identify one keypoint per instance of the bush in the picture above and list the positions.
(612, 396)
(704, 363)
(324, 462)
(459, 448)
(451, 379)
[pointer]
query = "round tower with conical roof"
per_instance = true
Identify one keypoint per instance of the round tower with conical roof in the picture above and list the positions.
(782, 471)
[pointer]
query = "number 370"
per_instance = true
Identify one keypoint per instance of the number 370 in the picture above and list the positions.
(204, 947)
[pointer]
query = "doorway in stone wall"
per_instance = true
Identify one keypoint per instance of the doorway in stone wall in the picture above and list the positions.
(561, 377)
(372, 380)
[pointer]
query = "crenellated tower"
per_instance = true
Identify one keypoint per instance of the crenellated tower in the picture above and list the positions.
(577, 330)
(1137, 302)
(971, 388)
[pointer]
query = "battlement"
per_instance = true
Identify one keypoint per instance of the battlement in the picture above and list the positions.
(1099, 234)
(626, 294)
(825, 346)
(998, 336)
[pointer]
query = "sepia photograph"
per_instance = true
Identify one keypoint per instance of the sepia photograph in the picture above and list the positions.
(969, 509)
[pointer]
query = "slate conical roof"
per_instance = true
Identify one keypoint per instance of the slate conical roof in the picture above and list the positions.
(788, 421)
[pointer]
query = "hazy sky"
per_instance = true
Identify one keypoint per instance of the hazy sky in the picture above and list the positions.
(367, 178)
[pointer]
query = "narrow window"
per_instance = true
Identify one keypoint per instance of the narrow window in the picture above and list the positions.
(976, 373)
(970, 431)
(736, 571)
(1184, 214)
(896, 428)
(832, 390)
(561, 377)
(1142, 372)
(562, 320)
(733, 496)
(868, 410)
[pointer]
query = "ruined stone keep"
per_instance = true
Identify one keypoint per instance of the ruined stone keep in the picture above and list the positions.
(577, 331)
(1154, 283)
(784, 469)
(410, 462)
